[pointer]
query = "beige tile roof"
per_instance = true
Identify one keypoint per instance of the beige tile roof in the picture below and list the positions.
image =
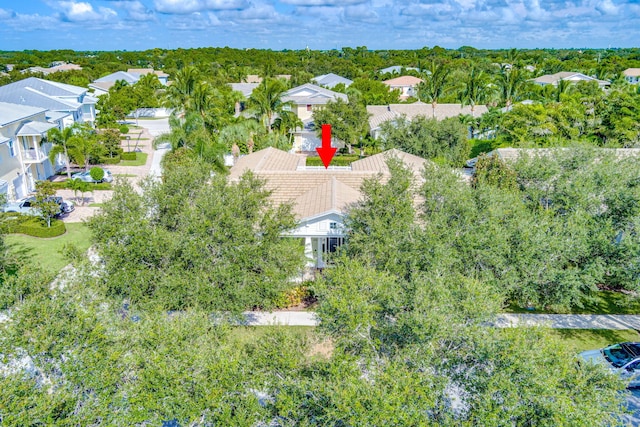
(383, 113)
(403, 81)
(314, 191)
(553, 79)
(632, 72)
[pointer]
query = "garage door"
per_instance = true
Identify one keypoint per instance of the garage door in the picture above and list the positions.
(19, 187)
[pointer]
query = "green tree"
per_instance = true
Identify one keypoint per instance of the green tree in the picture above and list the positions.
(60, 140)
(266, 101)
(349, 121)
(45, 203)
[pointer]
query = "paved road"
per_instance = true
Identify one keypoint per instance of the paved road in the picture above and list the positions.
(559, 321)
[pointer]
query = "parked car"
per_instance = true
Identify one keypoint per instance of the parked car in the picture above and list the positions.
(86, 176)
(622, 359)
(26, 206)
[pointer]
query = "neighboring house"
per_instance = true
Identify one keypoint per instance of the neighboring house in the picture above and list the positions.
(632, 75)
(59, 98)
(254, 78)
(398, 69)
(56, 67)
(331, 80)
(553, 79)
(23, 155)
(408, 85)
(102, 85)
(245, 89)
(510, 154)
(304, 100)
(320, 197)
(383, 113)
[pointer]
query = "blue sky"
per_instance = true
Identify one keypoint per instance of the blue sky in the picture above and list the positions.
(319, 24)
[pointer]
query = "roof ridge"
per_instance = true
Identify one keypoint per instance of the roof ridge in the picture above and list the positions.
(263, 159)
(333, 192)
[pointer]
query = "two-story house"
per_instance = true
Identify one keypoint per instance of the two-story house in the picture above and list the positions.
(56, 97)
(23, 154)
(303, 100)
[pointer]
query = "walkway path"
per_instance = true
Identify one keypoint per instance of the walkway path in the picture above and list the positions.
(559, 321)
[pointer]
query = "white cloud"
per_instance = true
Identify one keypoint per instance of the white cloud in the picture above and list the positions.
(135, 10)
(6, 14)
(83, 11)
(323, 2)
(184, 7)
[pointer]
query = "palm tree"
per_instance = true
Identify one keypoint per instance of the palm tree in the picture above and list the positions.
(179, 94)
(266, 101)
(60, 140)
(476, 89)
(510, 82)
(434, 84)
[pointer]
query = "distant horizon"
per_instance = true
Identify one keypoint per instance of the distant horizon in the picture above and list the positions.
(135, 25)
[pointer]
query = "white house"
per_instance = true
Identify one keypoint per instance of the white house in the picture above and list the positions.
(320, 196)
(102, 85)
(304, 100)
(23, 154)
(59, 98)
(331, 80)
(379, 114)
(632, 75)
(572, 77)
(408, 85)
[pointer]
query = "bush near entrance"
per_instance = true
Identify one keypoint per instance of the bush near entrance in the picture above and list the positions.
(32, 226)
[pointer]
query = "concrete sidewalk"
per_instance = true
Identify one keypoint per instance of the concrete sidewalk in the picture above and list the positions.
(557, 321)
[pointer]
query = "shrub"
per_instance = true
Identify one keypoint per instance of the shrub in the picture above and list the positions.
(33, 226)
(128, 155)
(295, 297)
(111, 160)
(124, 129)
(96, 174)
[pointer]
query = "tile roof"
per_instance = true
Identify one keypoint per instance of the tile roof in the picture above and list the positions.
(553, 79)
(145, 71)
(383, 113)
(632, 72)
(403, 81)
(118, 75)
(244, 88)
(396, 69)
(330, 80)
(311, 94)
(35, 128)
(11, 113)
(314, 191)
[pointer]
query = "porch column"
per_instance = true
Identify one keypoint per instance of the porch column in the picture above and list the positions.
(35, 148)
(308, 251)
(320, 263)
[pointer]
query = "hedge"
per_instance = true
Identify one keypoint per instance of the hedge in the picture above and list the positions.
(62, 185)
(33, 226)
(128, 155)
(112, 160)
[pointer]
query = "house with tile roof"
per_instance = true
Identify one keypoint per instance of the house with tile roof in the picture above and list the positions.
(102, 85)
(54, 69)
(398, 69)
(380, 114)
(53, 96)
(632, 75)
(320, 197)
(23, 150)
(570, 76)
(408, 85)
(331, 80)
(303, 100)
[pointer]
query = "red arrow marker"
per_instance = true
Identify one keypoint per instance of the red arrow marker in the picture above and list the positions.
(326, 152)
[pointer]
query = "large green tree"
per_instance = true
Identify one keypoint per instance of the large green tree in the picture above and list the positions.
(349, 121)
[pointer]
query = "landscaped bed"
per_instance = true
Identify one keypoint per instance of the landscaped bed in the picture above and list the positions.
(47, 253)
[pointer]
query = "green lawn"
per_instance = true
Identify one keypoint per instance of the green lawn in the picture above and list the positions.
(588, 339)
(603, 302)
(46, 252)
(343, 160)
(141, 160)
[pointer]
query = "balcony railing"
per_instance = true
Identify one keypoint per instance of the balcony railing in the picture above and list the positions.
(34, 156)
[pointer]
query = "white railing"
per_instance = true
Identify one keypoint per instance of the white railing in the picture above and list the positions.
(34, 155)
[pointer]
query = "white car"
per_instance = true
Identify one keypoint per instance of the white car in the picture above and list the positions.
(86, 176)
(622, 359)
(25, 206)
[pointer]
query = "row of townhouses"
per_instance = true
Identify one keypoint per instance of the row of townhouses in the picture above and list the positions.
(29, 108)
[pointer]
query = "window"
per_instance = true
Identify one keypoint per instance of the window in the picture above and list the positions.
(12, 149)
(333, 225)
(309, 107)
